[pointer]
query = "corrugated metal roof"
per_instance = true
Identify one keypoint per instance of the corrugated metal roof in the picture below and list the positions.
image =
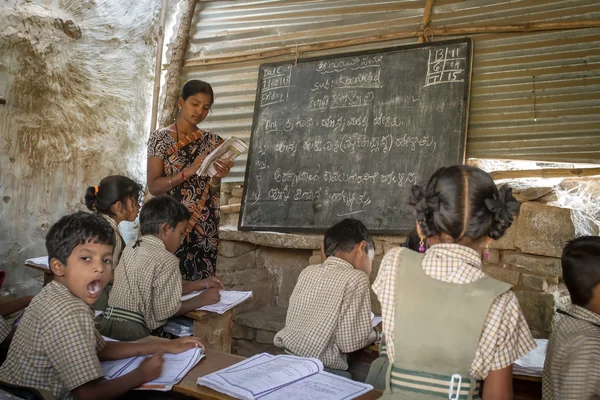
(566, 64)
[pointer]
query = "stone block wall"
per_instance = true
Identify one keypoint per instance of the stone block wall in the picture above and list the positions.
(527, 257)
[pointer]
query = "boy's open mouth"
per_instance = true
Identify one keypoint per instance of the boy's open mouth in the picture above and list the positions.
(94, 288)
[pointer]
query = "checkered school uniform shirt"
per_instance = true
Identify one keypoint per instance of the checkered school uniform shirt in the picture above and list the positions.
(505, 337)
(56, 345)
(329, 313)
(147, 281)
(572, 367)
(5, 329)
(119, 243)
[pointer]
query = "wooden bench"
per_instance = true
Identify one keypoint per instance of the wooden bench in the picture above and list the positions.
(48, 276)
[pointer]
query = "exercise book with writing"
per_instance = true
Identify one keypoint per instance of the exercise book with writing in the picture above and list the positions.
(229, 299)
(175, 368)
(269, 377)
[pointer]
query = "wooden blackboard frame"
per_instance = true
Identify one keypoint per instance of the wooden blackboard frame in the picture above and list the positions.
(467, 94)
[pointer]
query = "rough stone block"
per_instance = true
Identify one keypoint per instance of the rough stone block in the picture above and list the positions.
(497, 271)
(246, 276)
(241, 262)
(284, 266)
(229, 248)
(535, 282)
(237, 192)
(225, 197)
(538, 265)
(263, 295)
(543, 229)
(235, 200)
(266, 318)
(389, 246)
(538, 309)
(265, 337)
(508, 240)
(379, 245)
(493, 257)
(227, 187)
(242, 332)
(313, 260)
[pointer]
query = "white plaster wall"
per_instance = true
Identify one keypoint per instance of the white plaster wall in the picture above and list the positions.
(77, 109)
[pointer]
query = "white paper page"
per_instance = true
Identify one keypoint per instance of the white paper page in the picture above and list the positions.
(175, 366)
(375, 321)
(323, 386)
(532, 363)
(215, 382)
(274, 373)
(229, 299)
(39, 262)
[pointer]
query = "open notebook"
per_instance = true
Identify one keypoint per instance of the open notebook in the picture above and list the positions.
(532, 363)
(282, 377)
(175, 368)
(229, 299)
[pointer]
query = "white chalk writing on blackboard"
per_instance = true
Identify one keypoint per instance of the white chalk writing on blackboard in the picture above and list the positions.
(275, 85)
(365, 80)
(341, 99)
(445, 65)
(354, 63)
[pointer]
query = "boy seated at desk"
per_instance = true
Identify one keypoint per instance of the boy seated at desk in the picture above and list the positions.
(148, 285)
(572, 366)
(56, 347)
(329, 314)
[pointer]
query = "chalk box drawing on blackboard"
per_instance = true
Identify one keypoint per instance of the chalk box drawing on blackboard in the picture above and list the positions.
(349, 134)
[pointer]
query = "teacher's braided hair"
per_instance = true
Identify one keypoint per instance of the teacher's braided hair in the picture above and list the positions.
(463, 202)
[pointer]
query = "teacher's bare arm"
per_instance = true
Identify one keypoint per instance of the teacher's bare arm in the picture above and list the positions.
(159, 184)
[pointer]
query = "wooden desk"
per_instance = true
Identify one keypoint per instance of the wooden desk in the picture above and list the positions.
(213, 329)
(213, 362)
(48, 276)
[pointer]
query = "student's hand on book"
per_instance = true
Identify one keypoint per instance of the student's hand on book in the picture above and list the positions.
(214, 282)
(223, 167)
(210, 297)
(182, 344)
(151, 368)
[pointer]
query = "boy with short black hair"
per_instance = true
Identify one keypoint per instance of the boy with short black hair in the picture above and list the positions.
(329, 314)
(572, 367)
(56, 347)
(148, 285)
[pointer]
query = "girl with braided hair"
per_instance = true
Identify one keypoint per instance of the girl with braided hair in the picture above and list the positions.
(450, 330)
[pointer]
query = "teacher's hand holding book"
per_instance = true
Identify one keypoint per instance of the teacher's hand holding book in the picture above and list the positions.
(223, 167)
(197, 163)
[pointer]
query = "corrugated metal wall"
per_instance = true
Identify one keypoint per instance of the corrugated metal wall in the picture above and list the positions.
(565, 125)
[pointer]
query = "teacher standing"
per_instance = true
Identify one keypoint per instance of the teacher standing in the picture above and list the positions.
(175, 153)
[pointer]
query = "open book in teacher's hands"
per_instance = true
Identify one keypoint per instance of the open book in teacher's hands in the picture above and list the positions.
(228, 150)
(282, 377)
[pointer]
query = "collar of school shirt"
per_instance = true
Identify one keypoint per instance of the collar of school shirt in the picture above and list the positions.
(455, 252)
(583, 314)
(337, 262)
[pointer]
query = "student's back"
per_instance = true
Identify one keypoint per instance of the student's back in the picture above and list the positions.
(330, 309)
(572, 367)
(444, 320)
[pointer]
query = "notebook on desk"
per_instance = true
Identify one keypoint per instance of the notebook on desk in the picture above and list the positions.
(175, 368)
(282, 377)
(229, 299)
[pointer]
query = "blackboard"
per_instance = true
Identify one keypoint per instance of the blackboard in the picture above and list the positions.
(348, 136)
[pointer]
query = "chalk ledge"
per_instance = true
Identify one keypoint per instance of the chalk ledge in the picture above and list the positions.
(273, 239)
